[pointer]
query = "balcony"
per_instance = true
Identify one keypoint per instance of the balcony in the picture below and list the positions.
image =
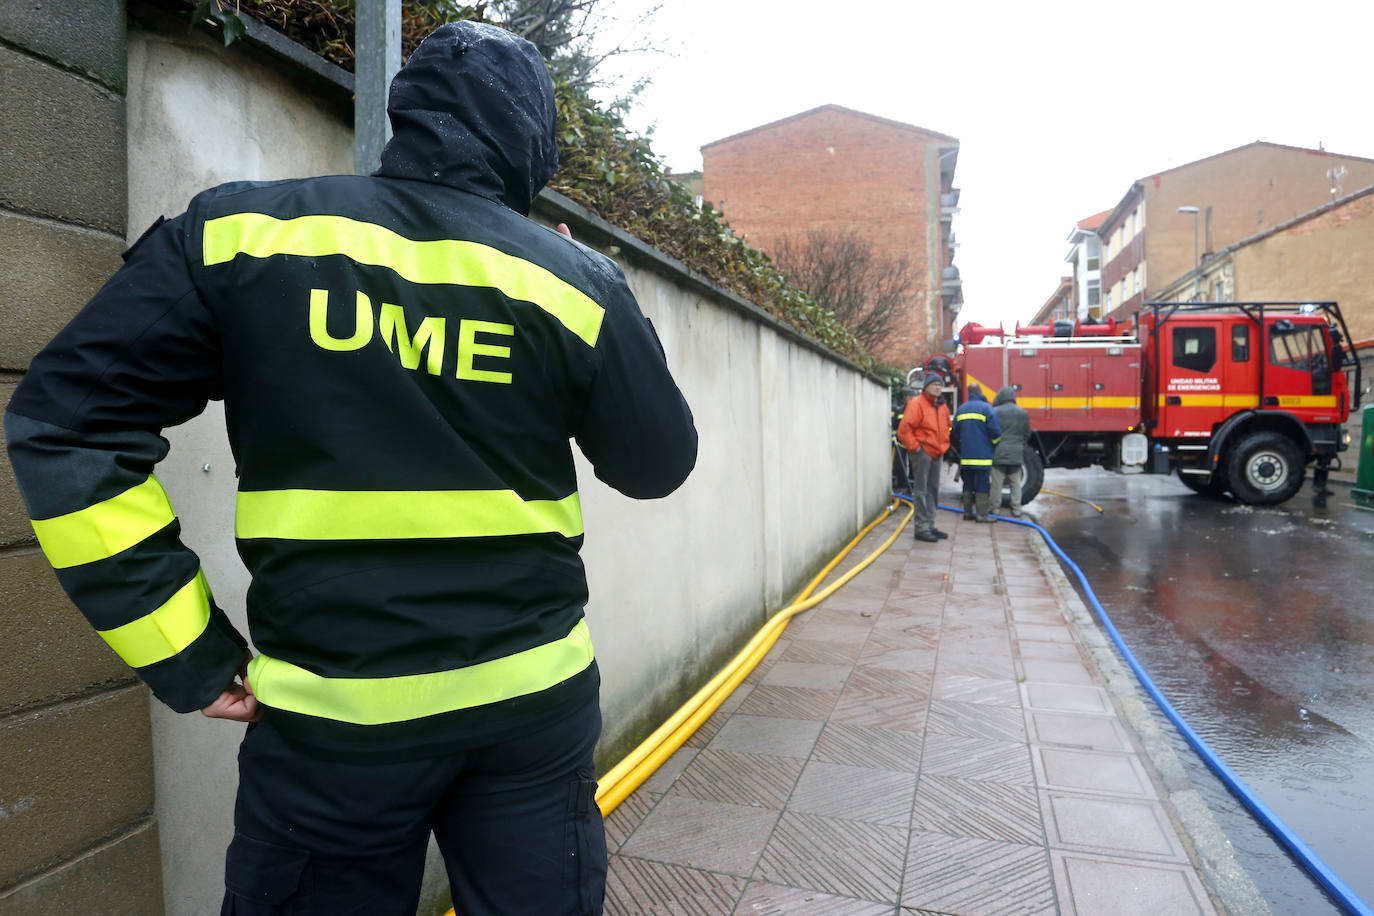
(950, 200)
(949, 279)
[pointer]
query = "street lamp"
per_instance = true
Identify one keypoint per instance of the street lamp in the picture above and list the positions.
(1196, 278)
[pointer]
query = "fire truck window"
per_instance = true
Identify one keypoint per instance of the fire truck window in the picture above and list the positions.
(1240, 343)
(1293, 348)
(1195, 349)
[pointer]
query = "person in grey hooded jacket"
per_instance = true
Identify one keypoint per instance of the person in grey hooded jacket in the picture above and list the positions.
(1006, 460)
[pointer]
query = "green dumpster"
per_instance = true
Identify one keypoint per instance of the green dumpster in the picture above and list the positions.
(1364, 467)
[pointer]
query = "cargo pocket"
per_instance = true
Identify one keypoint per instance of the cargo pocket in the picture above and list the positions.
(586, 849)
(263, 875)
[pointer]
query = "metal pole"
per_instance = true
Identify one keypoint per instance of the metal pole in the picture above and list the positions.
(377, 57)
(1196, 279)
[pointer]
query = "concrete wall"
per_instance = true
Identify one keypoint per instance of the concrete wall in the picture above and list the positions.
(77, 833)
(793, 458)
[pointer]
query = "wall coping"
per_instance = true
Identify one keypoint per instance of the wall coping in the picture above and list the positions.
(557, 207)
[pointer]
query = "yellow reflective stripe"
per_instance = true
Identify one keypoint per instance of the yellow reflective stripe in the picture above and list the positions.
(970, 416)
(1315, 401)
(439, 261)
(106, 528)
(167, 630)
(977, 462)
(330, 515)
(379, 700)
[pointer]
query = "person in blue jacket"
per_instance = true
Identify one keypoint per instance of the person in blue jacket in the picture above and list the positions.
(978, 430)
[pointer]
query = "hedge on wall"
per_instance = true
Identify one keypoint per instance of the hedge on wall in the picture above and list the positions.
(602, 166)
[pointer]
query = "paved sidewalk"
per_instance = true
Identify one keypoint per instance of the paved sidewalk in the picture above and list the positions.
(932, 739)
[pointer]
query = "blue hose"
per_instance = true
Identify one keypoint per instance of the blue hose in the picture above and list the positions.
(1300, 850)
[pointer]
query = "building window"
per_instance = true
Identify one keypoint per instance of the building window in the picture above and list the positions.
(1195, 349)
(1219, 291)
(1135, 279)
(1094, 293)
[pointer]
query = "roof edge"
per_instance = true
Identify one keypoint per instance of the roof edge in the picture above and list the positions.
(838, 108)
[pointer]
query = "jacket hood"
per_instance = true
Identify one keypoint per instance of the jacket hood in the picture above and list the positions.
(1006, 396)
(473, 108)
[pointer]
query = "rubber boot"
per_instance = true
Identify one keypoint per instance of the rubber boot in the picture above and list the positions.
(968, 506)
(983, 501)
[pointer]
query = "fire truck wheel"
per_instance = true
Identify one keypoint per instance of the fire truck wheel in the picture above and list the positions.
(1265, 468)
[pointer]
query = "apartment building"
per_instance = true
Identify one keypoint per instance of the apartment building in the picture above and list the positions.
(1060, 306)
(1319, 255)
(1085, 256)
(1167, 222)
(837, 168)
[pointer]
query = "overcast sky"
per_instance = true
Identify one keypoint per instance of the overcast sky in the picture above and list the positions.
(1058, 107)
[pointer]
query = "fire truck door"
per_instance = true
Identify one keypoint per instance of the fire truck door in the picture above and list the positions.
(1116, 389)
(1298, 376)
(1028, 372)
(1070, 388)
(1190, 395)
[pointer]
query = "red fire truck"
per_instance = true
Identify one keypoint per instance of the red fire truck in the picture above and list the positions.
(1235, 397)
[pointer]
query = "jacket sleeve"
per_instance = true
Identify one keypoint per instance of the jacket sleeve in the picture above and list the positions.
(83, 432)
(910, 425)
(636, 428)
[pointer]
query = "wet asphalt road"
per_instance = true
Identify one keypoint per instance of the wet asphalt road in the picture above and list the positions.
(1257, 623)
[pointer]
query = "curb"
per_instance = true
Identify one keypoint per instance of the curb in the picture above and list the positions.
(1230, 885)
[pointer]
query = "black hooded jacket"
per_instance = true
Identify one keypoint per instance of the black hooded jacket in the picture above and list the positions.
(404, 359)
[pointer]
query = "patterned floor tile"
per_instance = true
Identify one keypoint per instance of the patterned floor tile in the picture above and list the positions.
(871, 700)
(808, 674)
(768, 735)
(855, 793)
(825, 653)
(948, 874)
(860, 746)
(789, 702)
(733, 778)
(1090, 884)
(663, 778)
(843, 857)
(699, 834)
(773, 900)
(979, 690)
(637, 887)
(976, 721)
(977, 758)
(627, 816)
(966, 807)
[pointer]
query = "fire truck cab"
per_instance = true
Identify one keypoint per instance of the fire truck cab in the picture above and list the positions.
(1245, 396)
(1234, 397)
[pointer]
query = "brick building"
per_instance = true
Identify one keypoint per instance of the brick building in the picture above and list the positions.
(1322, 254)
(836, 168)
(1147, 242)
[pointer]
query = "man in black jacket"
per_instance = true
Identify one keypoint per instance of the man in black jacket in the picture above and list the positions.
(403, 360)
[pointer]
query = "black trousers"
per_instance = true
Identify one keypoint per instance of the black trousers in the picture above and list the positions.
(517, 824)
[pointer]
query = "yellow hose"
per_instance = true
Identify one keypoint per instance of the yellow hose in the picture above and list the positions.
(631, 760)
(1077, 499)
(639, 764)
(631, 772)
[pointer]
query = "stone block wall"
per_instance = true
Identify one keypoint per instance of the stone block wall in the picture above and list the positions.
(77, 833)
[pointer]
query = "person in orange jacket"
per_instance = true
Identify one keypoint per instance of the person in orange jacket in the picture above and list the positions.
(924, 433)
